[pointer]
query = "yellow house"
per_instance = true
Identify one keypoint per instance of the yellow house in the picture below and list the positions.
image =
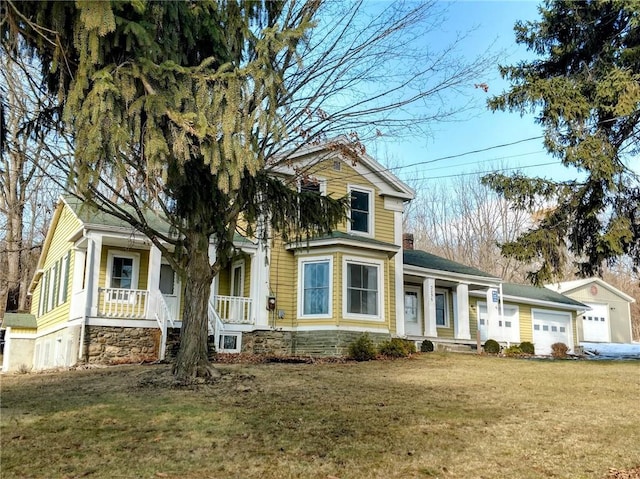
(104, 293)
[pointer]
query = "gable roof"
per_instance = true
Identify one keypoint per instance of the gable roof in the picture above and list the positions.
(567, 287)
(540, 295)
(96, 219)
(365, 165)
(429, 261)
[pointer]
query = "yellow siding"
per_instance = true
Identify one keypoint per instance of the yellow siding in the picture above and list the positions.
(526, 326)
(283, 281)
(23, 331)
(338, 183)
(58, 247)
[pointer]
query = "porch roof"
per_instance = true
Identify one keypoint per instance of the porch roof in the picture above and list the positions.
(96, 218)
(340, 237)
(539, 294)
(422, 259)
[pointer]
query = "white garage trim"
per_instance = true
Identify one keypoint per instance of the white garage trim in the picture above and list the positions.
(551, 327)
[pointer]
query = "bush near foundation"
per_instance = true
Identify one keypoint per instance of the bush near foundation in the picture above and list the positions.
(491, 346)
(559, 350)
(362, 349)
(426, 346)
(397, 348)
(527, 347)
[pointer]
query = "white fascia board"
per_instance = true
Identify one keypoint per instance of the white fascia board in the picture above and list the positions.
(546, 304)
(489, 282)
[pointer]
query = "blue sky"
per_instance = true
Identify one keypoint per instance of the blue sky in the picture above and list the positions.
(490, 24)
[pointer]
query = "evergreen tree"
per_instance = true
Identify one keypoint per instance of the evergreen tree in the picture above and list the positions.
(183, 107)
(586, 88)
(168, 101)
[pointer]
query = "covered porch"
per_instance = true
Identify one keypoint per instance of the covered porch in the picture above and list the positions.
(437, 304)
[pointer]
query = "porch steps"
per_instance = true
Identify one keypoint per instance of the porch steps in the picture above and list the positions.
(455, 348)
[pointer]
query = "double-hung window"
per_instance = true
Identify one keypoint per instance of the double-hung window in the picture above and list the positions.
(316, 288)
(363, 289)
(361, 215)
(442, 312)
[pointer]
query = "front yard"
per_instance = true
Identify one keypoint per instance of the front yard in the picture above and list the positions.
(435, 415)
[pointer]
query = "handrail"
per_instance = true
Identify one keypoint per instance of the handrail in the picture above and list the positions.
(216, 326)
(163, 316)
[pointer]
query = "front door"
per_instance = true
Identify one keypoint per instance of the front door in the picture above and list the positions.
(170, 289)
(412, 311)
(237, 291)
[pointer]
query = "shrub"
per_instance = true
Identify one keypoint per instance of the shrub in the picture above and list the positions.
(513, 351)
(559, 350)
(362, 349)
(397, 348)
(491, 346)
(527, 347)
(426, 346)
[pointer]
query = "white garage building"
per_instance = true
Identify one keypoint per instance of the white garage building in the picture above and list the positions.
(608, 319)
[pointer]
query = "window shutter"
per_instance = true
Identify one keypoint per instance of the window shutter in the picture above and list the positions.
(65, 287)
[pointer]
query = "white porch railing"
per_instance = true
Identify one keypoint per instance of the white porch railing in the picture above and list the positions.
(233, 309)
(123, 303)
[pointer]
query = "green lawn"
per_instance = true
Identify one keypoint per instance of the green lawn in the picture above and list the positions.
(435, 415)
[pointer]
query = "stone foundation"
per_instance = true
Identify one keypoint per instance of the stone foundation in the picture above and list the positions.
(118, 345)
(304, 343)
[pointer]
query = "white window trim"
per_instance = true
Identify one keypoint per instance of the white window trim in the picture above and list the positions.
(123, 254)
(221, 340)
(322, 182)
(381, 272)
(447, 319)
(301, 263)
(239, 264)
(370, 220)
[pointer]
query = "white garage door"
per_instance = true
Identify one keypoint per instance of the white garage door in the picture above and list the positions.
(550, 327)
(595, 323)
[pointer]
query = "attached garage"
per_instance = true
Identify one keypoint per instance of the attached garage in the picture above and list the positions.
(595, 323)
(550, 327)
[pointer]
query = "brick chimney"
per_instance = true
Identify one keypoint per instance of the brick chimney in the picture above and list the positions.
(407, 241)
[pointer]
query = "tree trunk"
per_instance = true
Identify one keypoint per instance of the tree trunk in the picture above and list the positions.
(193, 359)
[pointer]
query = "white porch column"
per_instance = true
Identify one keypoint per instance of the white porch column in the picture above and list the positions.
(94, 255)
(399, 274)
(78, 293)
(493, 313)
(259, 288)
(153, 274)
(429, 304)
(461, 326)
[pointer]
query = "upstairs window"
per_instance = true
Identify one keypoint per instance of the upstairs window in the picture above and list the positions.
(361, 211)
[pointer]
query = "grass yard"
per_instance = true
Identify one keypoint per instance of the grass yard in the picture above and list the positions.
(435, 415)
